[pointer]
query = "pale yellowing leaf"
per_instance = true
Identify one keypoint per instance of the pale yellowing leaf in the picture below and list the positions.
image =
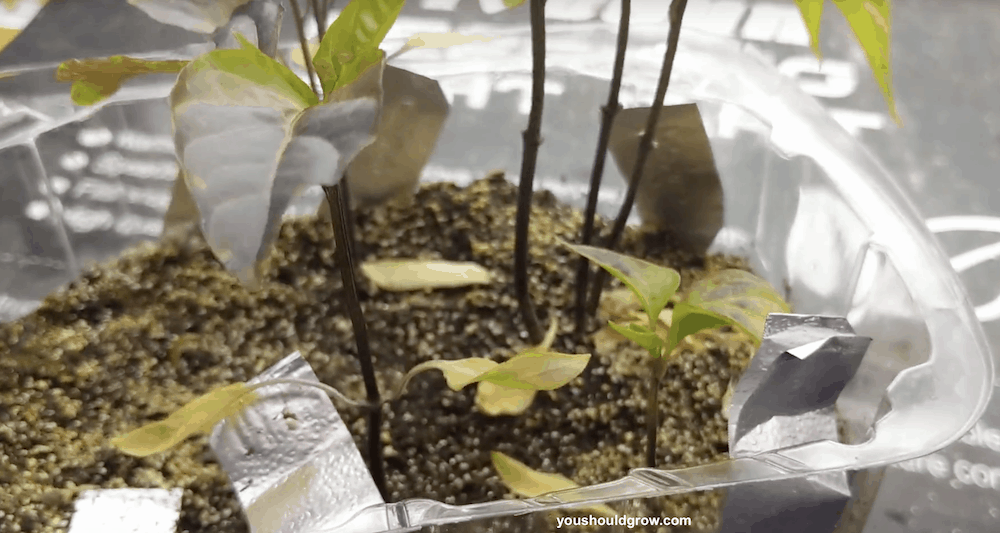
(537, 370)
(198, 416)
(457, 373)
(494, 400)
(529, 483)
(412, 275)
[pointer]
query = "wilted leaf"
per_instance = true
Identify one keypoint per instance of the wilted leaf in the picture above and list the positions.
(415, 274)
(641, 335)
(250, 135)
(198, 416)
(537, 370)
(458, 373)
(652, 284)
(731, 296)
(202, 16)
(530, 483)
(680, 190)
(96, 79)
(351, 44)
(494, 400)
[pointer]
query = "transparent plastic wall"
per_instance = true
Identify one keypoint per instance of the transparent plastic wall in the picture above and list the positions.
(811, 209)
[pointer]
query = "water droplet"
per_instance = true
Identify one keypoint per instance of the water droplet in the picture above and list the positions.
(74, 161)
(94, 137)
(60, 184)
(932, 496)
(37, 210)
(994, 512)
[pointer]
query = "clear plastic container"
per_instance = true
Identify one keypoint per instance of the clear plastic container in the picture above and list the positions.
(814, 212)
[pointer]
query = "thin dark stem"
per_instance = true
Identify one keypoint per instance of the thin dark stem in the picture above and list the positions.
(339, 218)
(645, 144)
(532, 139)
(343, 234)
(319, 12)
(307, 57)
(608, 113)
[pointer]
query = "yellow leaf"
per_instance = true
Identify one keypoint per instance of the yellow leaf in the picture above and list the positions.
(458, 373)
(812, 13)
(869, 19)
(7, 35)
(537, 370)
(413, 274)
(198, 416)
(495, 400)
(96, 79)
(529, 483)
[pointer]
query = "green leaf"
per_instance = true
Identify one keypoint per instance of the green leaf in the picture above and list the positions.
(458, 373)
(494, 400)
(869, 19)
(250, 136)
(530, 483)
(537, 370)
(351, 44)
(198, 416)
(511, 4)
(812, 14)
(234, 71)
(734, 297)
(654, 285)
(640, 335)
(98, 78)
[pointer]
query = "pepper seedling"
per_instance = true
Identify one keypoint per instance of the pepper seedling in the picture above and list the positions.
(724, 298)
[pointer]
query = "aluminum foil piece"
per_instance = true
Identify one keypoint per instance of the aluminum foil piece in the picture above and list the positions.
(785, 398)
(292, 460)
(127, 511)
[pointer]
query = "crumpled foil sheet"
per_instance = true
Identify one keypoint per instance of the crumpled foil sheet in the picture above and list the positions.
(785, 398)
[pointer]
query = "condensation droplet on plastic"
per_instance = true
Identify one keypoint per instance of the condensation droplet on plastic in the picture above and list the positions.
(37, 210)
(94, 137)
(74, 161)
(994, 512)
(60, 184)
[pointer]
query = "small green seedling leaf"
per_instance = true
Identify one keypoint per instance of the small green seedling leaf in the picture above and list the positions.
(731, 296)
(654, 285)
(494, 400)
(537, 370)
(511, 4)
(530, 483)
(198, 416)
(640, 335)
(250, 136)
(351, 44)
(97, 79)
(415, 274)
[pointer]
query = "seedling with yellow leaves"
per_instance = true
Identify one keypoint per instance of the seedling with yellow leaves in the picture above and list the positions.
(725, 298)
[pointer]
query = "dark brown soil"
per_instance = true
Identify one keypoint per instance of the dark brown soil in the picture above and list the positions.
(133, 339)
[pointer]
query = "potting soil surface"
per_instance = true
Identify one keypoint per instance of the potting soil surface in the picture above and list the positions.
(134, 339)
